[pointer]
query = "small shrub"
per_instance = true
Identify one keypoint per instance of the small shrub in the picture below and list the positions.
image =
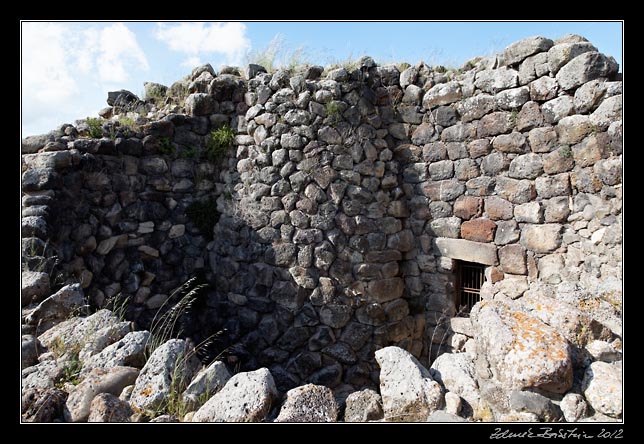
(188, 153)
(95, 127)
(204, 215)
(219, 141)
(513, 116)
(566, 152)
(166, 147)
(127, 123)
(333, 112)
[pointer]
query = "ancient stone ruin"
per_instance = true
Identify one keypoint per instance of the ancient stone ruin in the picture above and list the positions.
(398, 243)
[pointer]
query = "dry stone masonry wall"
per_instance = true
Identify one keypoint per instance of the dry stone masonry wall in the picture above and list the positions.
(335, 221)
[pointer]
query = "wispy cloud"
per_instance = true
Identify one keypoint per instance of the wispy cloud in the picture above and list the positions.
(199, 40)
(64, 64)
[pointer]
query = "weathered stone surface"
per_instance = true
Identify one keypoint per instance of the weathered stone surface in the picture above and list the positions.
(499, 122)
(530, 212)
(520, 50)
(170, 367)
(443, 169)
(495, 80)
(466, 250)
(442, 94)
(512, 98)
(408, 392)
(205, 384)
(551, 186)
(603, 351)
(467, 207)
(513, 259)
(445, 227)
(200, 104)
(522, 352)
(516, 191)
(30, 349)
(541, 238)
(443, 416)
(128, 351)
(608, 112)
(362, 406)
(609, 171)
(57, 307)
(456, 372)
(539, 405)
(602, 387)
(42, 404)
(445, 190)
(309, 403)
(571, 322)
(106, 407)
(497, 208)
(112, 380)
(102, 337)
(585, 67)
(542, 89)
(556, 109)
(246, 397)
(573, 129)
(32, 144)
(574, 407)
(529, 117)
(423, 134)
(478, 230)
(34, 287)
(335, 315)
(475, 107)
(384, 290)
(589, 95)
(562, 53)
(506, 232)
(527, 166)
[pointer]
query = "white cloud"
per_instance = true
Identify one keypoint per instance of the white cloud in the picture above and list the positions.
(68, 67)
(199, 39)
(118, 47)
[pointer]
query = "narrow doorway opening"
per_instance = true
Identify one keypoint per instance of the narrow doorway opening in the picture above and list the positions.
(469, 279)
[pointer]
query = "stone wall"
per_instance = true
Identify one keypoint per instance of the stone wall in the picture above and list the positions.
(345, 201)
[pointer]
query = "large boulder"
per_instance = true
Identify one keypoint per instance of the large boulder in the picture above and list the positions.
(57, 307)
(106, 407)
(309, 403)
(362, 406)
(34, 287)
(129, 351)
(113, 381)
(246, 397)
(518, 51)
(205, 384)
(42, 405)
(576, 326)
(521, 352)
(584, 68)
(409, 394)
(574, 407)
(169, 369)
(602, 387)
(456, 372)
(30, 348)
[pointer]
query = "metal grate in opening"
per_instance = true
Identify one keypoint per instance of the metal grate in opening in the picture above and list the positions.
(470, 278)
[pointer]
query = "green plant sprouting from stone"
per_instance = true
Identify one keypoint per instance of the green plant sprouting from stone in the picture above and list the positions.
(219, 141)
(95, 127)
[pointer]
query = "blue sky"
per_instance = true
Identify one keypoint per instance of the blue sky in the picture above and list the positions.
(68, 67)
